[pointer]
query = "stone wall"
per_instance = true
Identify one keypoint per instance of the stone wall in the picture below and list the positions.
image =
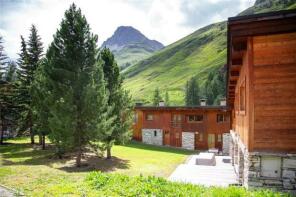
(226, 143)
(248, 166)
(188, 140)
(149, 137)
(287, 180)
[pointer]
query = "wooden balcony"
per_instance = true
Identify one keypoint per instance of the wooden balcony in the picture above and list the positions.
(176, 124)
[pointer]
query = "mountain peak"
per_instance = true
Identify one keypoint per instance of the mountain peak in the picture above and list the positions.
(126, 35)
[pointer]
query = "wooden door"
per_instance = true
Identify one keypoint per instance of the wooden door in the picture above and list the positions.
(211, 140)
(166, 138)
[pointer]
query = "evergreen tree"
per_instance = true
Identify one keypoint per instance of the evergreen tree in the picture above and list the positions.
(3, 59)
(167, 99)
(40, 102)
(7, 97)
(156, 97)
(192, 92)
(30, 56)
(76, 90)
(215, 87)
(119, 102)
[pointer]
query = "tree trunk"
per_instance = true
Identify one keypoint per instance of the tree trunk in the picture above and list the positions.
(32, 136)
(2, 128)
(78, 158)
(2, 134)
(43, 142)
(108, 152)
(31, 128)
(40, 139)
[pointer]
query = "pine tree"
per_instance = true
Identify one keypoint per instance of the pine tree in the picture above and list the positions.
(76, 91)
(7, 93)
(30, 56)
(192, 92)
(167, 99)
(3, 59)
(119, 102)
(156, 97)
(215, 86)
(40, 102)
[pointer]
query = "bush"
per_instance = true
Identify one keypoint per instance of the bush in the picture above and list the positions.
(122, 185)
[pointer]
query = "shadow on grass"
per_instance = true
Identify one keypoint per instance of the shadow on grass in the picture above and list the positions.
(175, 150)
(27, 154)
(91, 163)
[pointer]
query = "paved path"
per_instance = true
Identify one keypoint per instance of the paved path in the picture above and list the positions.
(220, 175)
(4, 192)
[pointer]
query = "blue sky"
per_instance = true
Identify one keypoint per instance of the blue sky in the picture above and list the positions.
(164, 20)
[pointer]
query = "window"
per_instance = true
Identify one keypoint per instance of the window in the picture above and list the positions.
(177, 135)
(149, 117)
(155, 133)
(200, 137)
(219, 138)
(221, 118)
(195, 118)
(135, 118)
(242, 97)
(177, 117)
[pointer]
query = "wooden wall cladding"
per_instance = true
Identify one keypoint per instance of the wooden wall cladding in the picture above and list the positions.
(275, 92)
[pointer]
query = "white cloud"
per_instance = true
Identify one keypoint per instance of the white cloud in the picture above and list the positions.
(163, 20)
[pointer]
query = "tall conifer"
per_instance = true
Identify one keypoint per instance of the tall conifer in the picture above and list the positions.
(76, 90)
(119, 101)
(192, 92)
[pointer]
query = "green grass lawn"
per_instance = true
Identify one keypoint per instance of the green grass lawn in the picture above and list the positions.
(38, 172)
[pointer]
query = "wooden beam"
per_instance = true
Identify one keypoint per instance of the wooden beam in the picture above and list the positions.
(237, 61)
(232, 82)
(239, 46)
(234, 73)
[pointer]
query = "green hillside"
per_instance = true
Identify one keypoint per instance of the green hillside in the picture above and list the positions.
(195, 55)
(131, 54)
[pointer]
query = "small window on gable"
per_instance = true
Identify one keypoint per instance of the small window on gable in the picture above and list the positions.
(242, 97)
(155, 133)
(149, 117)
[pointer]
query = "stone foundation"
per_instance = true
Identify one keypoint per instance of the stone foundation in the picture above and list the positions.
(253, 173)
(188, 140)
(226, 143)
(152, 136)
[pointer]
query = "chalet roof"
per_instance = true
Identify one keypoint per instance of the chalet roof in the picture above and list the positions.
(241, 27)
(183, 108)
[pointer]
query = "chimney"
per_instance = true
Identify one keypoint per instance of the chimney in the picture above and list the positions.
(161, 104)
(203, 102)
(223, 102)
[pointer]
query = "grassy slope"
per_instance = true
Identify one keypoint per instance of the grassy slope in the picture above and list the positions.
(131, 55)
(36, 172)
(169, 68)
(194, 55)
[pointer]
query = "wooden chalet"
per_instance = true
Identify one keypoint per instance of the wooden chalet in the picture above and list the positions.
(200, 127)
(261, 90)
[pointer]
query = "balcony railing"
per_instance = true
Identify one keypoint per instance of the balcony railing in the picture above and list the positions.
(176, 124)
